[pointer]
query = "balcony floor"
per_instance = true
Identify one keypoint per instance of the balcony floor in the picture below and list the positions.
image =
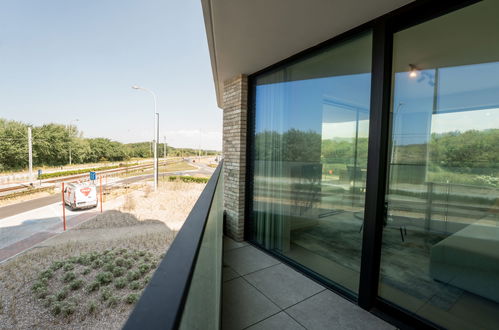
(260, 292)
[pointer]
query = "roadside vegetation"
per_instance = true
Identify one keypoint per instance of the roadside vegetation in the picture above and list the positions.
(52, 142)
(187, 178)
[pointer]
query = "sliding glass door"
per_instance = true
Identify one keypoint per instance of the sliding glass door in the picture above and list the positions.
(440, 250)
(310, 160)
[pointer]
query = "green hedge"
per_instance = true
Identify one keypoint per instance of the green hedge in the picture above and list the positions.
(26, 192)
(187, 178)
(85, 170)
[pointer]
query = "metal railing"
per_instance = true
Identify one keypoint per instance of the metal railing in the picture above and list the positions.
(185, 290)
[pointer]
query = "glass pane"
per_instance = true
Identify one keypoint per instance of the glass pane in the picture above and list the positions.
(311, 131)
(440, 252)
(202, 307)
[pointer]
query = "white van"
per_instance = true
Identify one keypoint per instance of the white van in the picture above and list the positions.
(80, 195)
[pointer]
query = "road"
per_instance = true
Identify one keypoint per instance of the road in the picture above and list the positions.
(29, 223)
(11, 210)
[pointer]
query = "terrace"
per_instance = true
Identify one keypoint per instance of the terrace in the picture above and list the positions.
(209, 281)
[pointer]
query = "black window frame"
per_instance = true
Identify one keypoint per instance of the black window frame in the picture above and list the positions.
(383, 28)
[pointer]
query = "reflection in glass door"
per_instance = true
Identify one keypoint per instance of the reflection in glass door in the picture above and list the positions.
(311, 135)
(440, 251)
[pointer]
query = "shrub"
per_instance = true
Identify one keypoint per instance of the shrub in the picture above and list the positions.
(105, 294)
(86, 271)
(147, 279)
(92, 307)
(56, 265)
(120, 261)
(62, 294)
(104, 278)
(132, 275)
(68, 266)
(74, 172)
(132, 298)
(46, 274)
(94, 286)
(120, 283)
(187, 179)
(135, 285)
(76, 284)
(84, 260)
(93, 256)
(97, 263)
(49, 300)
(118, 271)
(144, 268)
(72, 259)
(68, 308)
(69, 276)
(112, 302)
(122, 251)
(41, 292)
(109, 267)
(42, 283)
(56, 308)
(128, 263)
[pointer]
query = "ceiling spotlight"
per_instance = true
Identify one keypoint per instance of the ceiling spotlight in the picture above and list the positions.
(414, 71)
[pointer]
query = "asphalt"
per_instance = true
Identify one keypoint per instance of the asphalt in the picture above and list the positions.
(17, 208)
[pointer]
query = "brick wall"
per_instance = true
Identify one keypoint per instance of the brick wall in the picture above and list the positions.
(235, 106)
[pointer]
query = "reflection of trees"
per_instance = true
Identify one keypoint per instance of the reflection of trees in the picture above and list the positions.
(469, 152)
(292, 145)
(294, 155)
(343, 151)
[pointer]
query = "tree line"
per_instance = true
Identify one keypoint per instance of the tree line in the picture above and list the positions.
(471, 151)
(52, 144)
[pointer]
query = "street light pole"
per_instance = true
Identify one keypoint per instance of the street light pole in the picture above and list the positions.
(156, 134)
(30, 154)
(70, 139)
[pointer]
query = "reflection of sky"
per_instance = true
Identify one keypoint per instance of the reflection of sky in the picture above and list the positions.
(300, 104)
(467, 98)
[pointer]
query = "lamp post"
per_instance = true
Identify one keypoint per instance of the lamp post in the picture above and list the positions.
(70, 139)
(156, 133)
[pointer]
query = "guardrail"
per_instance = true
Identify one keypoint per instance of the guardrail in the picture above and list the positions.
(185, 290)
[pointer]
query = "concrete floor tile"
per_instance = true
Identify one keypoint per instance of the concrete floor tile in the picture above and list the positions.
(283, 285)
(228, 273)
(230, 244)
(328, 310)
(278, 321)
(243, 305)
(248, 259)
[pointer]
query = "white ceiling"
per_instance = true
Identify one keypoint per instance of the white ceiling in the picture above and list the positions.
(245, 36)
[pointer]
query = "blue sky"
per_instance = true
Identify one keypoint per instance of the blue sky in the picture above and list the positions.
(61, 60)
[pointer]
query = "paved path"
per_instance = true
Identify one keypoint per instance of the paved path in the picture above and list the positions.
(27, 229)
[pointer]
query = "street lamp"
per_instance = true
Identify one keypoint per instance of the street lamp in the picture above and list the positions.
(70, 139)
(156, 134)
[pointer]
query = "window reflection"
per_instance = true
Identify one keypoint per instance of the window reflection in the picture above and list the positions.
(440, 252)
(311, 132)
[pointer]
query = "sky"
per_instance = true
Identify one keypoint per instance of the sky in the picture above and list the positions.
(64, 60)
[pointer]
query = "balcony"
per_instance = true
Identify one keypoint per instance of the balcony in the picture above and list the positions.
(208, 281)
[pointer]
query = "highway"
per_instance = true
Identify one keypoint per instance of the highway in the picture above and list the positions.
(11, 210)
